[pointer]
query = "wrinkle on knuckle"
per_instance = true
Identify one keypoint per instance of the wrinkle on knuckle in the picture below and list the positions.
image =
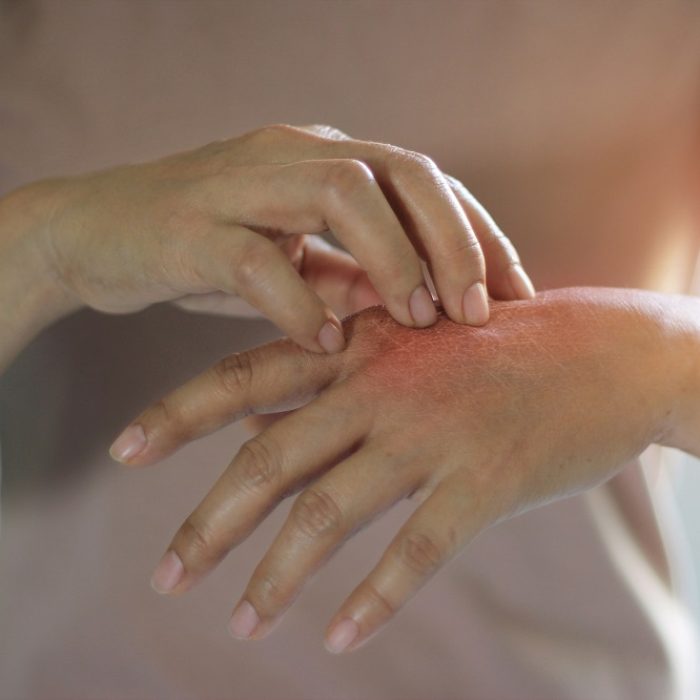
(259, 467)
(345, 178)
(164, 415)
(251, 263)
(234, 374)
(412, 163)
(273, 133)
(420, 553)
(379, 601)
(468, 245)
(267, 594)
(199, 540)
(316, 513)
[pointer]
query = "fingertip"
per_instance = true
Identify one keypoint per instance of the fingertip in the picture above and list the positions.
(131, 443)
(168, 573)
(475, 305)
(422, 307)
(244, 621)
(341, 636)
(331, 337)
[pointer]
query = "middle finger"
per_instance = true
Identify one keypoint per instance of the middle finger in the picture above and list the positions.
(267, 468)
(326, 514)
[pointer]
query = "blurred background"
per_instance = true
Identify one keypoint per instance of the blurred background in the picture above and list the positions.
(576, 124)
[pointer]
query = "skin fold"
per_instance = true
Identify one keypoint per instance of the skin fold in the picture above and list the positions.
(476, 425)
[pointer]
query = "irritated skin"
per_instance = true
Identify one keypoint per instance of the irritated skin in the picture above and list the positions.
(476, 425)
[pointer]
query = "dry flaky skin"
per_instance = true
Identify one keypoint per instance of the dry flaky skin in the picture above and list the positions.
(476, 424)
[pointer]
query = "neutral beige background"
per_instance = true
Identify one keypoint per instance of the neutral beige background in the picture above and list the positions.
(577, 125)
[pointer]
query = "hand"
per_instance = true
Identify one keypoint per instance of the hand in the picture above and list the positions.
(229, 220)
(475, 424)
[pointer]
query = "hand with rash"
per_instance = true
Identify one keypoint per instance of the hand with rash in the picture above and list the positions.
(475, 425)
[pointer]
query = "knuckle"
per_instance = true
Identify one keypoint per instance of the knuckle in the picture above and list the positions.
(379, 601)
(267, 593)
(499, 242)
(345, 177)
(328, 132)
(466, 246)
(316, 513)
(413, 163)
(164, 414)
(274, 133)
(199, 539)
(251, 263)
(234, 374)
(259, 467)
(420, 553)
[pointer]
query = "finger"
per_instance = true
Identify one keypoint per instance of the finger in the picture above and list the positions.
(236, 260)
(343, 196)
(273, 377)
(506, 277)
(419, 194)
(223, 304)
(329, 511)
(266, 469)
(217, 303)
(438, 529)
(256, 424)
(427, 209)
(337, 278)
(433, 217)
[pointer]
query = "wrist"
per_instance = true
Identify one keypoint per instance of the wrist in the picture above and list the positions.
(682, 373)
(31, 295)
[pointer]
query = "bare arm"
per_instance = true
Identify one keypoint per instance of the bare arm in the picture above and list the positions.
(30, 295)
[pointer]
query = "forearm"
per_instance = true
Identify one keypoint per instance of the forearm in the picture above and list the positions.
(683, 322)
(30, 296)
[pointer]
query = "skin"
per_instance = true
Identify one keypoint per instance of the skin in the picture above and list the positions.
(230, 222)
(476, 425)
(82, 211)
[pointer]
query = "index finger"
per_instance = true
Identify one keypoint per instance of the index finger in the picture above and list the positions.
(279, 376)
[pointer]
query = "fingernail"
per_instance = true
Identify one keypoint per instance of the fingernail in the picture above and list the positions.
(128, 444)
(342, 636)
(422, 307)
(475, 305)
(243, 621)
(330, 337)
(522, 286)
(168, 573)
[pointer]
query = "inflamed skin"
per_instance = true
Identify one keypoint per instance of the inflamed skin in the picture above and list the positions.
(476, 424)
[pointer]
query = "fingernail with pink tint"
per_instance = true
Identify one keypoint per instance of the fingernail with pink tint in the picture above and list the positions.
(342, 636)
(244, 621)
(330, 338)
(475, 305)
(422, 307)
(521, 283)
(168, 573)
(130, 443)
